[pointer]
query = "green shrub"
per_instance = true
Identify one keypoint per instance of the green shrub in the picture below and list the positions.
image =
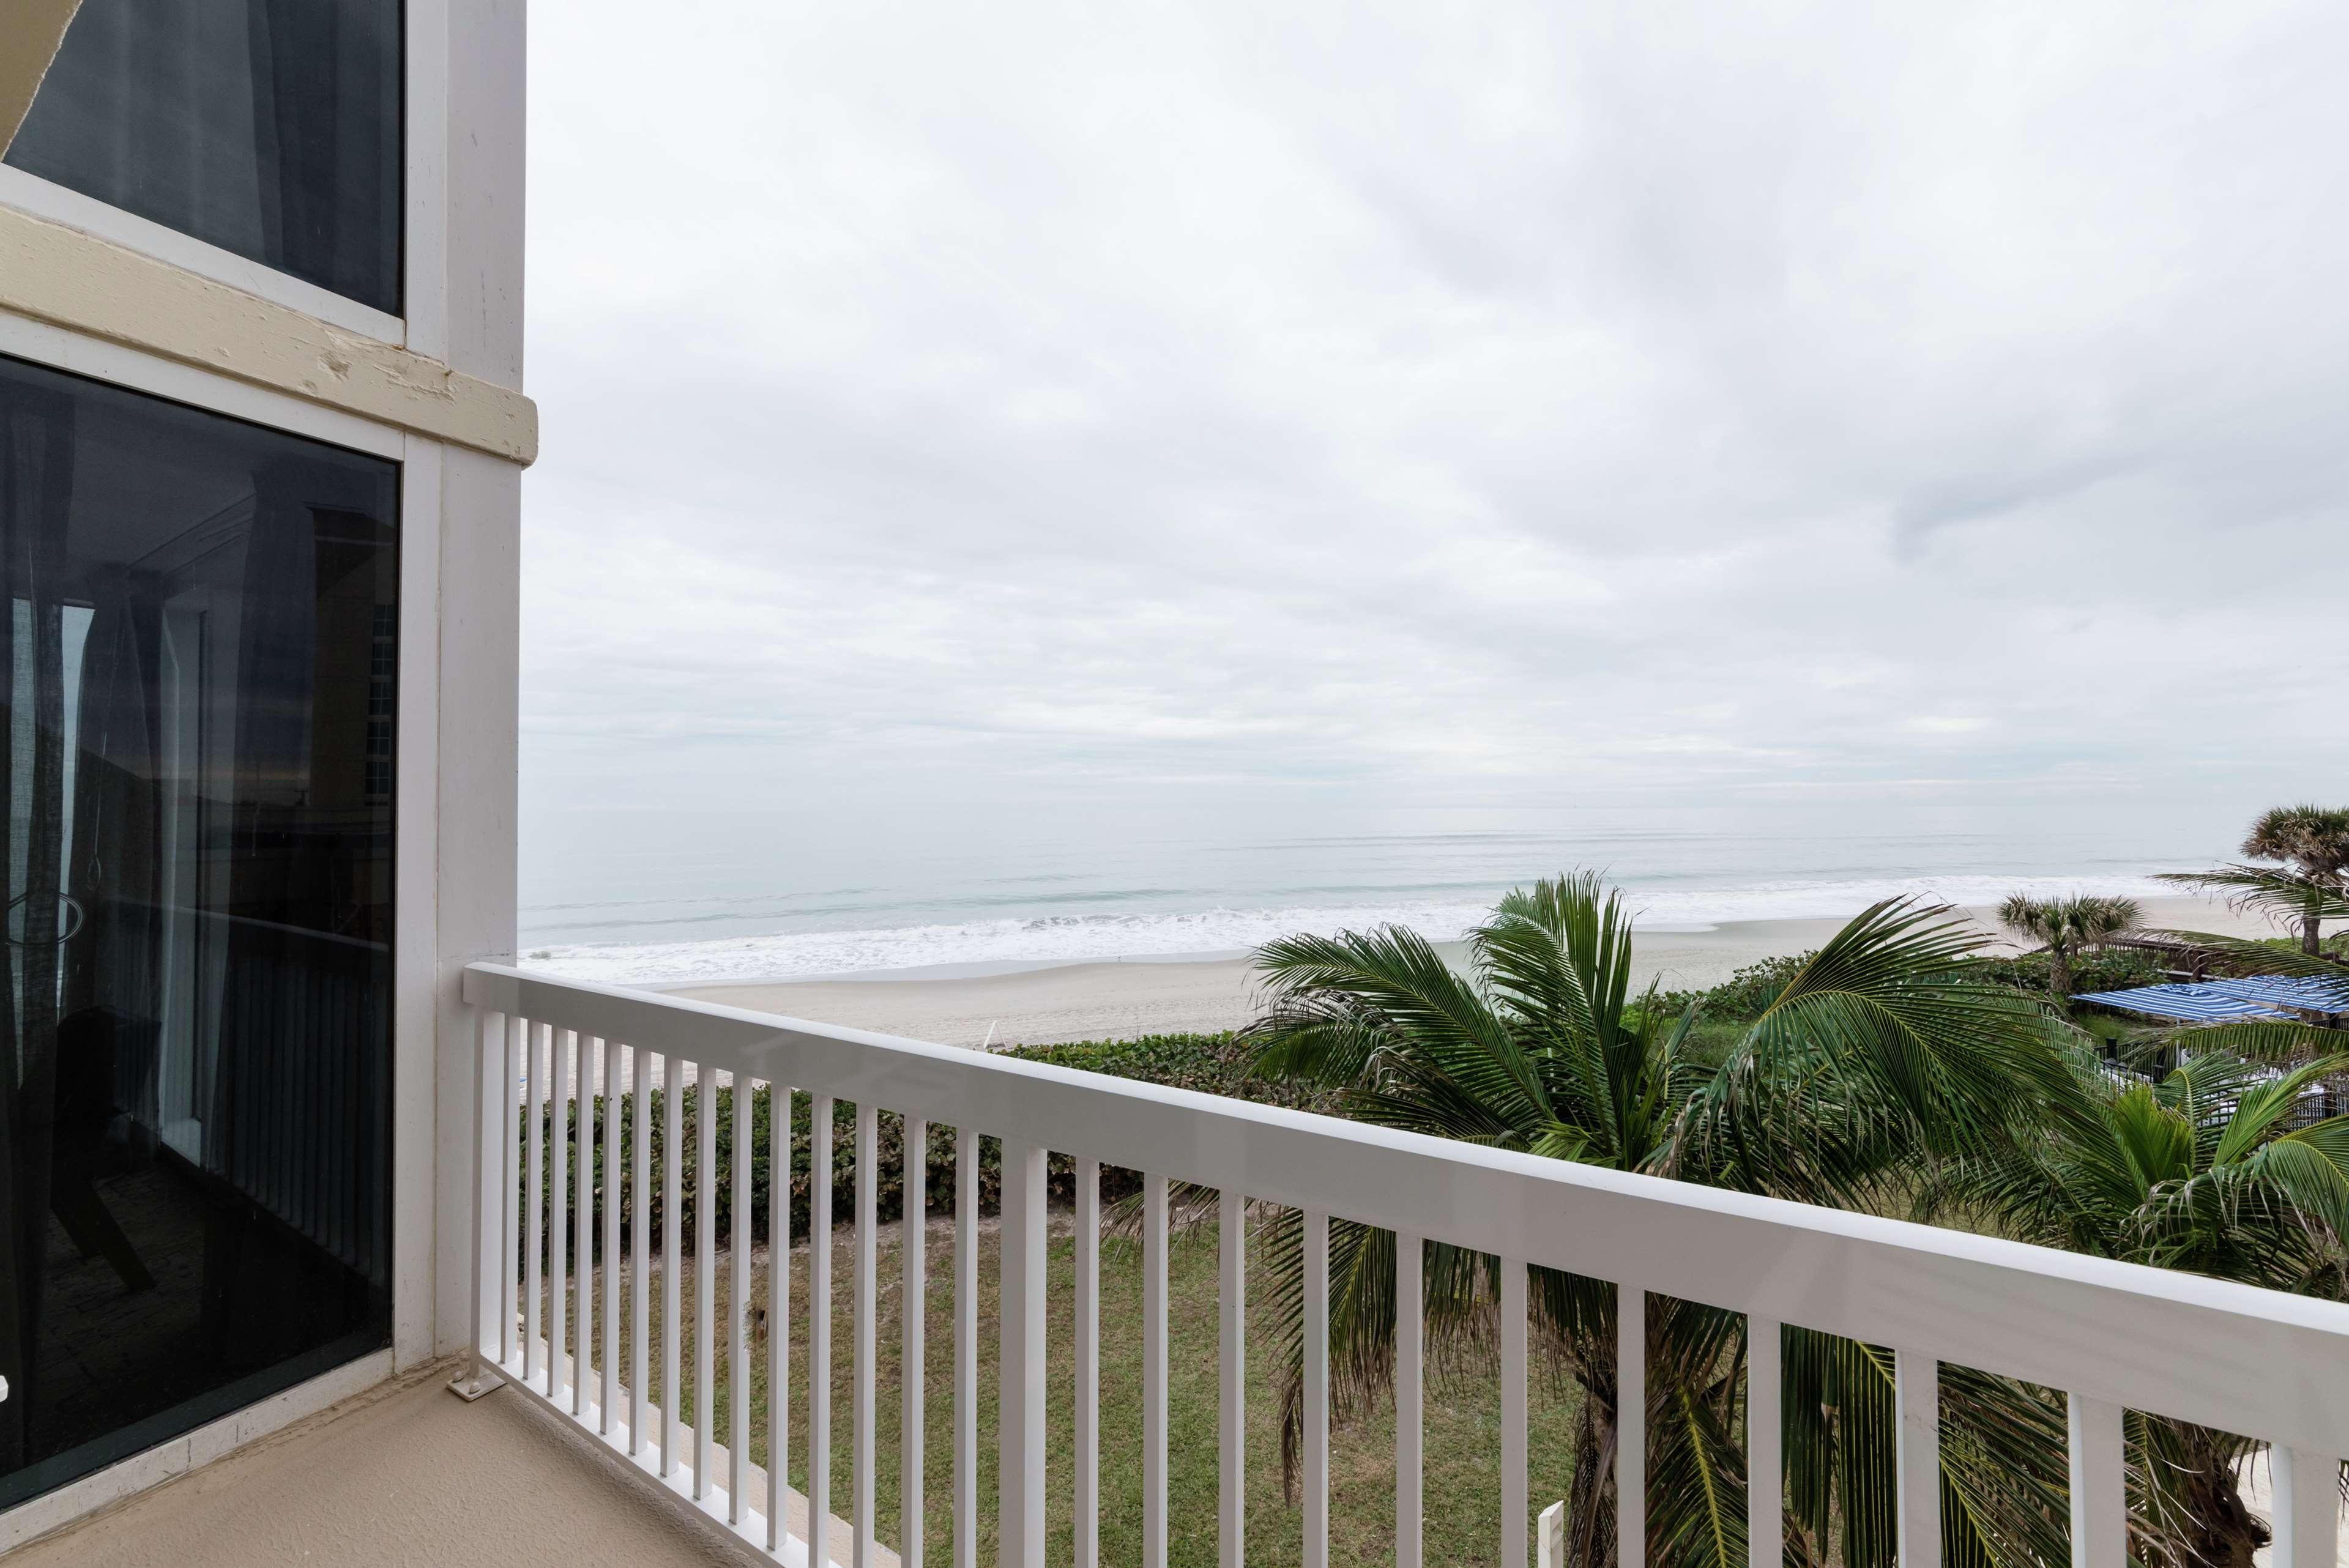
(1745, 996)
(2103, 969)
(1210, 1063)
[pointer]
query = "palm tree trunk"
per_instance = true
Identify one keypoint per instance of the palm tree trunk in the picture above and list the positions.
(2059, 978)
(1590, 1503)
(2312, 937)
(2223, 1533)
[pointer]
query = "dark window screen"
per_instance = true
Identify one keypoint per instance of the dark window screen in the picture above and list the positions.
(268, 127)
(196, 653)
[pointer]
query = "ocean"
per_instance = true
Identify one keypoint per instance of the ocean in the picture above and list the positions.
(708, 897)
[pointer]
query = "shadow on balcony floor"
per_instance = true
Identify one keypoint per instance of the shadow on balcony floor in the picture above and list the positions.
(407, 1474)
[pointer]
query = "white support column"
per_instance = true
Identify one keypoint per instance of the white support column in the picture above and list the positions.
(914, 1299)
(739, 1338)
(1231, 1411)
(1153, 1372)
(1019, 1403)
(2307, 1509)
(865, 1374)
(1086, 1503)
(1766, 1474)
(1316, 1465)
(779, 1313)
(1410, 1351)
(488, 1208)
(966, 1349)
(820, 1240)
(1630, 1426)
(705, 1275)
(673, 1241)
(461, 632)
(2099, 1487)
(1917, 1394)
(456, 785)
(1514, 1498)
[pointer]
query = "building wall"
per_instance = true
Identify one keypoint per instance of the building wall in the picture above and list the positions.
(92, 290)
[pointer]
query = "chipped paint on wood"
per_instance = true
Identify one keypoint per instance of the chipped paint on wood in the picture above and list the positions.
(67, 278)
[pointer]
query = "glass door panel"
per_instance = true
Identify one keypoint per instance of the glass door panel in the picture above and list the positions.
(195, 1044)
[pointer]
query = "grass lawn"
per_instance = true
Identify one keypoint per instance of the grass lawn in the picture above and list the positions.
(1463, 1415)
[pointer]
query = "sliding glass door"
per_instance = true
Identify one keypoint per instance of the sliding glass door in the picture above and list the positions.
(198, 655)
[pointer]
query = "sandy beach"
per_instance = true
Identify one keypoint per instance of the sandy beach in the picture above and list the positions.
(1112, 1000)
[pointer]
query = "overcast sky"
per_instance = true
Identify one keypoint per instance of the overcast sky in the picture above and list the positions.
(1379, 403)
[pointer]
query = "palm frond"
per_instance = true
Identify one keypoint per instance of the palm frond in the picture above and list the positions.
(2271, 890)
(2257, 958)
(2270, 1040)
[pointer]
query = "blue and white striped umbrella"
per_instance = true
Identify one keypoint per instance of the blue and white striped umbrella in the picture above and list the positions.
(2192, 1004)
(2305, 993)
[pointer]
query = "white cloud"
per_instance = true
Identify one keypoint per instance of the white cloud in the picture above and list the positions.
(1360, 400)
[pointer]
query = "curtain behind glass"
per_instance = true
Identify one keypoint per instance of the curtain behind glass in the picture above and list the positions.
(300, 1075)
(35, 497)
(268, 127)
(114, 966)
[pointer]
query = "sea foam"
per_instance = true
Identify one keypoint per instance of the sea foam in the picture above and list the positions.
(1077, 938)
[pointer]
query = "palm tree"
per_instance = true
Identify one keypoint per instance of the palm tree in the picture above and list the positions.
(2204, 1172)
(2309, 882)
(1902, 1052)
(2065, 927)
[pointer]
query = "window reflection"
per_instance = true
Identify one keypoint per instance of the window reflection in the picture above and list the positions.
(268, 127)
(200, 648)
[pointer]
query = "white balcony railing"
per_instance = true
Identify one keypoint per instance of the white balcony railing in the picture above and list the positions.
(2113, 1336)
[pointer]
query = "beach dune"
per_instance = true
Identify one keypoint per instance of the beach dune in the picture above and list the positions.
(1120, 1000)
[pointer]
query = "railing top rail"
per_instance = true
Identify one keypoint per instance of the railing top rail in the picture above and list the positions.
(2263, 1363)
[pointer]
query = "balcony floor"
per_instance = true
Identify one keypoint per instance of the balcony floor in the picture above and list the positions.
(407, 1474)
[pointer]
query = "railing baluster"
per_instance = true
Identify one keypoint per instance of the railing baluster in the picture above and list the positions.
(612, 1167)
(1087, 1511)
(1231, 1410)
(2307, 1508)
(1917, 1443)
(515, 1055)
(2099, 1486)
(1411, 1350)
(532, 1259)
(914, 1296)
(1765, 1475)
(640, 1249)
(965, 1307)
(558, 1236)
(562, 1119)
(1632, 1426)
(489, 1061)
(1019, 1403)
(738, 1318)
(1316, 1390)
(582, 1162)
(819, 1489)
(865, 1372)
(1513, 1413)
(705, 1271)
(1153, 1372)
(779, 1310)
(672, 1163)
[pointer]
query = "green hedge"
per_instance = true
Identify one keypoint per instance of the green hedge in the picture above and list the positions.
(1211, 1064)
